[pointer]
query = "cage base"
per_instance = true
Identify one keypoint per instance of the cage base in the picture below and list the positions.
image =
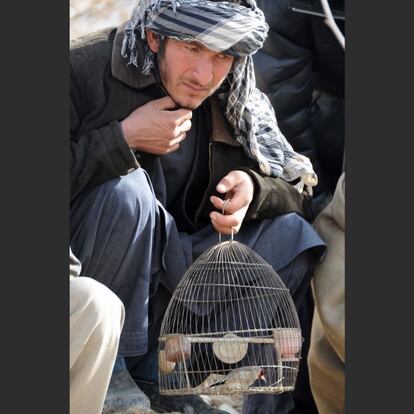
(229, 391)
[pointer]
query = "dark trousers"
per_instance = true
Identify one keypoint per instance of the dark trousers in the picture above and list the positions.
(126, 240)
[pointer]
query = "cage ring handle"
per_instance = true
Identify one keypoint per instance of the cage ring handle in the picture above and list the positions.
(222, 212)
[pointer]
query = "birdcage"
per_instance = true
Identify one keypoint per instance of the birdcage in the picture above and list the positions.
(231, 327)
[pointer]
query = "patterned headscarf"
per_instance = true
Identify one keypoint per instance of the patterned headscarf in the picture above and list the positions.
(237, 30)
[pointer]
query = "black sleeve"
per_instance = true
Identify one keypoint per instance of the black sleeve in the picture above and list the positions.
(274, 196)
(95, 155)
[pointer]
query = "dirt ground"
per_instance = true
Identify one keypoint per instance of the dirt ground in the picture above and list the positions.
(90, 15)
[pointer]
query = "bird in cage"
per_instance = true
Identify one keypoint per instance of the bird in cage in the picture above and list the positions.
(238, 378)
(231, 326)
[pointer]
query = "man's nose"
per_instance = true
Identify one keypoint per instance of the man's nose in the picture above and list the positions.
(203, 71)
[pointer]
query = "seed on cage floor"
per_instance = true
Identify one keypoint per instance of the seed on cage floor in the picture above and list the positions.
(238, 378)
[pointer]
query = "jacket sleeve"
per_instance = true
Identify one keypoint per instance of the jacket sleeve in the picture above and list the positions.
(96, 155)
(274, 196)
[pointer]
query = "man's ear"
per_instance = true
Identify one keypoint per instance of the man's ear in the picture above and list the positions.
(153, 40)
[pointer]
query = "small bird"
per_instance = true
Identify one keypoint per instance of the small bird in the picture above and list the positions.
(239, 378)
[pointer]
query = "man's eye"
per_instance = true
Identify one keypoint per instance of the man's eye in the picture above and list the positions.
(191, 48)
(222, 56)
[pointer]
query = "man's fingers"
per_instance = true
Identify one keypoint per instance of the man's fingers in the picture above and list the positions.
(180, 137)
(233, 179)
(232, 220)
(185, 126)
(164, 103)
(225, 228)
(227, 183)
(172, 148)
(218, 203)
(236, 202)
(180, 131)
(181, 115)
(178, 115)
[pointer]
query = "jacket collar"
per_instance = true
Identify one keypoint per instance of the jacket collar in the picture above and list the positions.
(132, 76)
(128, 74)
(221, 129)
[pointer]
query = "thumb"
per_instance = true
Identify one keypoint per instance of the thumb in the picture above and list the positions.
(221, 188)
(165, 102)
(226, 183)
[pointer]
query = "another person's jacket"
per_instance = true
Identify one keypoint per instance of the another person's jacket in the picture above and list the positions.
(326, 358)
(301, 69)
(104, 90)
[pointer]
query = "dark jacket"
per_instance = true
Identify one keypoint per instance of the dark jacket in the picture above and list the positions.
(105, 90)
(301, 69)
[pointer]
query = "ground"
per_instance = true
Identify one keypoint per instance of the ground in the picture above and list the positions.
(90, 15)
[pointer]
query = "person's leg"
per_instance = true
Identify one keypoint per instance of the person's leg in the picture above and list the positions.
(326, 359)
(127, 241)
(116, 232)
(96, 318)
(145, 367)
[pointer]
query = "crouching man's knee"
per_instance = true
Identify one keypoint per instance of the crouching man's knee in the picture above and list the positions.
(109, 216)
(133, 193)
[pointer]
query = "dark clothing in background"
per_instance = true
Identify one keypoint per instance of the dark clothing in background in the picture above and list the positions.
(301, 68)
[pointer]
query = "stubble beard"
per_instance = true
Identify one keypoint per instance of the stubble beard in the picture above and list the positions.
(163, 71)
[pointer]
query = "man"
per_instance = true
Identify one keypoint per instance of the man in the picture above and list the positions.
(96, 318)
(301, 68)
(166, 123)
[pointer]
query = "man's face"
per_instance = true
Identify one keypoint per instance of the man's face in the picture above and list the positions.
(190, 72)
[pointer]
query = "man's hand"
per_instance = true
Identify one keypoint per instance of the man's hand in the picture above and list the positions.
(239, 188)
(156, 128)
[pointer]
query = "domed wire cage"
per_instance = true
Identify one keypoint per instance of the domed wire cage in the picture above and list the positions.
(231, 327)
